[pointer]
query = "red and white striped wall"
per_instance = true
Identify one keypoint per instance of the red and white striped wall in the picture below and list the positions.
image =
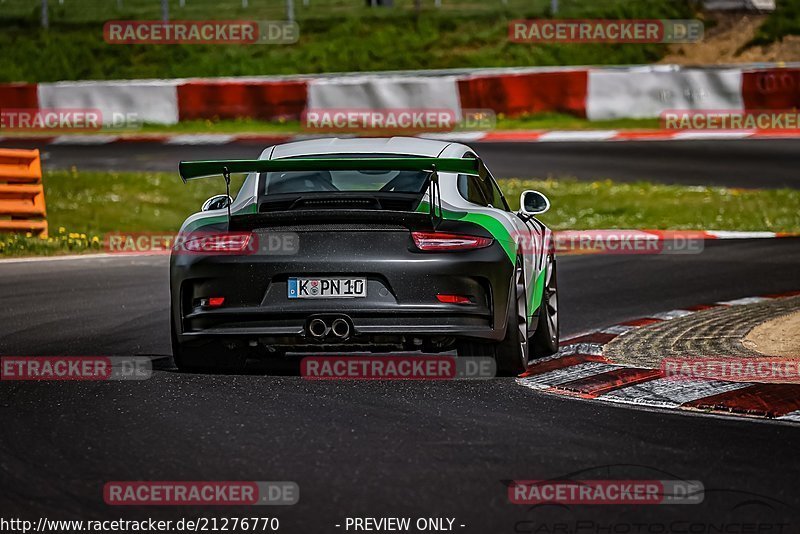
(594, 93)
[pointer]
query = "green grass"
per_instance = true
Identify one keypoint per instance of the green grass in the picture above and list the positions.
(83, 206)
(543, 121)
(580, 205)
(347, 38)
(784, 21)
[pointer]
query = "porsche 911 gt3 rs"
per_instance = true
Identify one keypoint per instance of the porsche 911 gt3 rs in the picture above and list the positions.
(398, 244)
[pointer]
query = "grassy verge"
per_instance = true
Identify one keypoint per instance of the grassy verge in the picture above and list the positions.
(84, 206)
(580, 205)
(348, 37)
(784, 21)
(542, 121)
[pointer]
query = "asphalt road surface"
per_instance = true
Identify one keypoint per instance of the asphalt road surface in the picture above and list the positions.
(750, 163)
(370, 449)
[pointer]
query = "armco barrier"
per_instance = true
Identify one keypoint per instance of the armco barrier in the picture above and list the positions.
(518, 94)
(385, 92)
(647, 92)
(22, 206)
(232, 100)
(596, 93)
(771, 89)
(153, 101)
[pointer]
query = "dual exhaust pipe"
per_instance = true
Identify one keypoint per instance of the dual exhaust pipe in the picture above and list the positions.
(319, 328)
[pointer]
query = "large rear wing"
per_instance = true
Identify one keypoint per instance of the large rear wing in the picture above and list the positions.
(190, 170)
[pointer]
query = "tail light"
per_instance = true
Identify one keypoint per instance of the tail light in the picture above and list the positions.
(212, 302)
(217, 243)
(453, 299)
(440, 241)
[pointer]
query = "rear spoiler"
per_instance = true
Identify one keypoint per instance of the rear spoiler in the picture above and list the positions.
(190, 170)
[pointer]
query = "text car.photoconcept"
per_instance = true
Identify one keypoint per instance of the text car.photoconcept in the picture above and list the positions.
(384, 244)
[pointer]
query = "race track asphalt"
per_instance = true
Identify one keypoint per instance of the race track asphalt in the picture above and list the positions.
(414, 449)
(748, 163)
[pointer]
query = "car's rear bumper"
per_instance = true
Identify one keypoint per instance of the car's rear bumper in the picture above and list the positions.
(401, 302)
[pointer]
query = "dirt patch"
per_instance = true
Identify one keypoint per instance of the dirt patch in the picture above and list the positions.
(778, 337)
(725, 41)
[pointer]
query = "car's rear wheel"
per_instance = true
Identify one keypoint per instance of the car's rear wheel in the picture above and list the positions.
(511, 354)
(545, 340)
(211, 356)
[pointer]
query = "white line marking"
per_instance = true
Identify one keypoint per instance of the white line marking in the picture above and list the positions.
(739, 302)
(595, 349)
(75, 257)
(567, 374)
(84, 139)
(727, 234)
(454, 136)
(593, 135)
(619, 329)
(670, 392)
(672, 314)
(681, 136)
(792, 416)
(200, 139)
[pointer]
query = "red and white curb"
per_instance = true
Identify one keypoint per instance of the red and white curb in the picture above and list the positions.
(508, 136)
(580, 370)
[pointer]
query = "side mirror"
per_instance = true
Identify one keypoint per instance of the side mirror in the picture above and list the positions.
(533, 203)
(217, 202)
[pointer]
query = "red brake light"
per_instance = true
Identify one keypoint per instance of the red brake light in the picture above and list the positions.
(225, 242)
(432, 241)
(453, 299)
(213, 302)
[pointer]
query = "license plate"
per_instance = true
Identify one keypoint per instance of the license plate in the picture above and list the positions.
(326, 288)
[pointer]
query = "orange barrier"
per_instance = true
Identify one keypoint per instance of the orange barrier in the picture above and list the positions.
(771, 89)
(22, 206)
(231, 100)
(518, 94)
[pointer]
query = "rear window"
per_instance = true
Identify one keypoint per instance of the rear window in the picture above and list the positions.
(279, 183)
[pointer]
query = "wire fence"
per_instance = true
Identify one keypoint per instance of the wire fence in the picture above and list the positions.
(101, 10)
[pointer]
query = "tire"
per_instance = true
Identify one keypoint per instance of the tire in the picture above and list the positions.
(213, 356)
(545, 340)
(512, 353)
